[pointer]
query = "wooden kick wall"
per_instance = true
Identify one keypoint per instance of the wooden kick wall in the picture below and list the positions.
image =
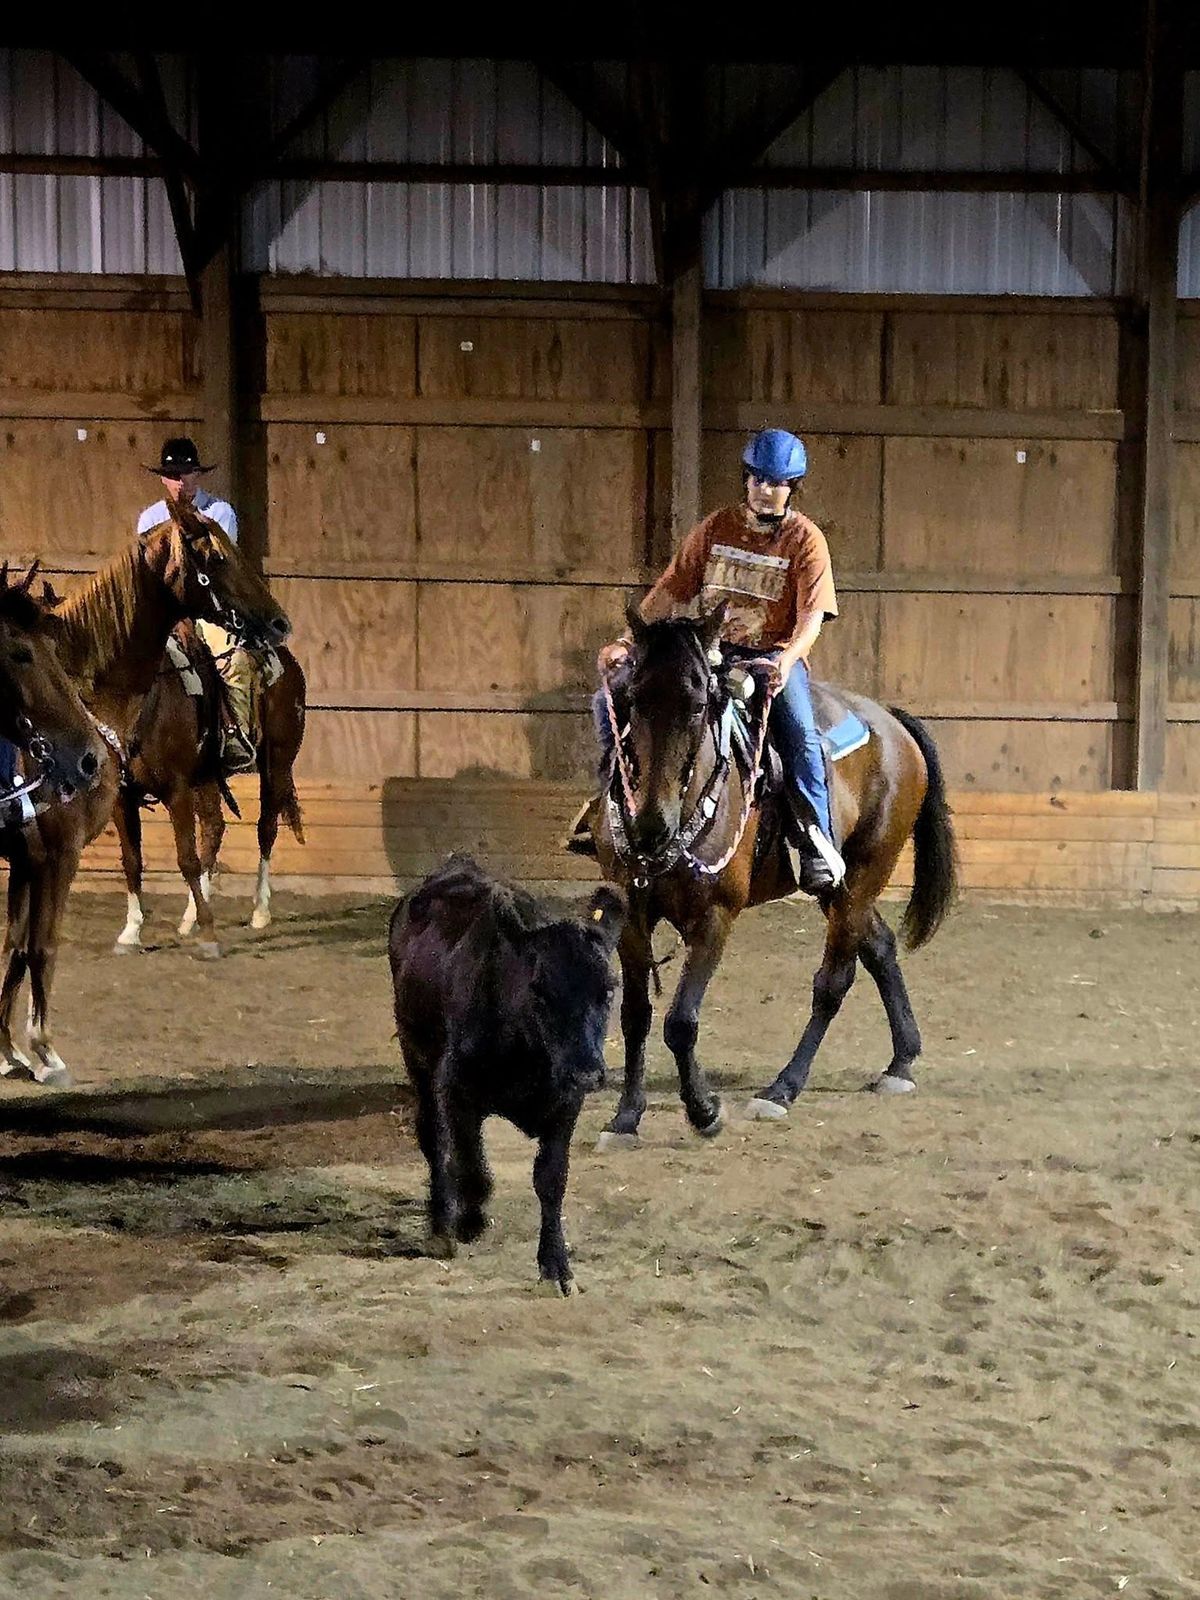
(455, 490)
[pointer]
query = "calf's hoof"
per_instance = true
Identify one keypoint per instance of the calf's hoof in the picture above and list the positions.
(441, 1246)
(716, 1121)
(609, 1140)
(760, 1110)
(893, 1083)
(558, 1283)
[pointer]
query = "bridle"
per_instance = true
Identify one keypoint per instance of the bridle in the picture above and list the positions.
(33, 797)
(680, 846)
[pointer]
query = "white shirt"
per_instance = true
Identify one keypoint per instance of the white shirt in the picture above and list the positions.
(220, 512)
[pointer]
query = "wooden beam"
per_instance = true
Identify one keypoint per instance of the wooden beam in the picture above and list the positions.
(1162, 146)
(686, 391)
(610, 115)
(173, 176)
(218, 367)
(97, 68)
(926, 180)
(1120, 181)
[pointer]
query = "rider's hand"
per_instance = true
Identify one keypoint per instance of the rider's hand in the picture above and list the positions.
(611, 657)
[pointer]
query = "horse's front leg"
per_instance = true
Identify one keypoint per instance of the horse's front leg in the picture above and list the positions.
(636, 1013)
(16, 951)
(49, 902)
(706, 945)
(182, 811)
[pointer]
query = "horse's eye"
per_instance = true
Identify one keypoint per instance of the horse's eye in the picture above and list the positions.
(22, 656)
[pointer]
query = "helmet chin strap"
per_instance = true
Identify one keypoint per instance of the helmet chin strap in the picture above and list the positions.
(770, 519)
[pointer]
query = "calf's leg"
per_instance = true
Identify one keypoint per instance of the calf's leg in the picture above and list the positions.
(550, 1184)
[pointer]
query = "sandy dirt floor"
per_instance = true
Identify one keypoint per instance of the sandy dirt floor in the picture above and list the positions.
(938, 1348)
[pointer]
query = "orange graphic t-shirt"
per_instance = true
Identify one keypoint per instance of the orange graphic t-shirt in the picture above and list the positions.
(769, 583)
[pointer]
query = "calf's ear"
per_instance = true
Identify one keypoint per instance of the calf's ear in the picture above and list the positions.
(606, 913)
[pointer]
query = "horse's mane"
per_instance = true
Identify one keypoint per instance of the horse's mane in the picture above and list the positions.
(98, 618)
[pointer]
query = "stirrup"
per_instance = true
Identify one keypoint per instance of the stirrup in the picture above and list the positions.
(237, 753)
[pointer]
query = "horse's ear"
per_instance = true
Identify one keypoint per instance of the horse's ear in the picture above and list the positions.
(637, 627)
(709, 627)
(49, 598)
(3, 577)
(26, 582)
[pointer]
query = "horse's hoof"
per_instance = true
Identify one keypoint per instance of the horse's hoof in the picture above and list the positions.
(893, 1083)
(260, 918)
(135, 947)
(15, 1065)
(609, 1140)
(184, 930)
(713, 1128)
(55, 1078)
(207, 950)
(760, 1110)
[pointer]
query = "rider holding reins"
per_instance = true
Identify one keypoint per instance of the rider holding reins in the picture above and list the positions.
(771, 565)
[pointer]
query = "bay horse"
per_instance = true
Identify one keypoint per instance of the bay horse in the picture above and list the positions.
(110, 634)
(41, 714)
(884, 793)
(175, 758)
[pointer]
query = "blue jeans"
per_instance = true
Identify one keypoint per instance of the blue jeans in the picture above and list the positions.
(8, 763)
(792, 723)
(799, 744)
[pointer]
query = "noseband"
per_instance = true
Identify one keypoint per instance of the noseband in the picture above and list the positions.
(679, 847)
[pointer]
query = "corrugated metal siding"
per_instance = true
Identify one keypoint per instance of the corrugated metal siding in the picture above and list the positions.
(911, 118)
(439, 110)
(52, 224)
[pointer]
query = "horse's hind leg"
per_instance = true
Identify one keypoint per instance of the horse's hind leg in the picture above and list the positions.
(16, 947)
(878, 952)
(127, 816)
(682, 1027)
(831, 985)
(269, 807)
(636, 1016)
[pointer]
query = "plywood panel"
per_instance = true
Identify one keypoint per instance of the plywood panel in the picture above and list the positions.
(847, 653)
(151, 354)
(558, 746)
(488, 496)
(340, 354)
(350, 634)
(1183, 651)
(363, 746)
(1025, 755)
(841, 493)
(1028, 648)
(1004, 360)
(971, 505)
(515, 637)
(793, 356)
(1185, 551)
(352, 498)
(541, 358)
(63, 497)
(1187, 363)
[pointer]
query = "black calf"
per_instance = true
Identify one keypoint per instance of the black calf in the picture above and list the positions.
(501, 1009)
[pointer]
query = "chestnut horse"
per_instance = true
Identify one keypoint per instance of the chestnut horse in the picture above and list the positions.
(175, 758)
(110, 634)
(884, 793)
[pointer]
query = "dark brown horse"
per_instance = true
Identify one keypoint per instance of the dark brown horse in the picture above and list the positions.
(883, 794)
(175, 758)
(110, 634)
(41, 713)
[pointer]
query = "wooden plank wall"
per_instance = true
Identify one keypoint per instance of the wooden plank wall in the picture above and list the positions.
(455, 491)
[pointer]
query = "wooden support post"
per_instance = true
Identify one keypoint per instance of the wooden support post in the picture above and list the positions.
(1160, 190)
(686, 422)
(218, 365)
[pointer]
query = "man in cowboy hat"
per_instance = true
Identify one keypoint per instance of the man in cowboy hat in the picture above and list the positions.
(180, 470)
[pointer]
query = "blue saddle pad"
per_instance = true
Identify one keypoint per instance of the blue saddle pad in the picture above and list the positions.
(850, 734)
(8, 763)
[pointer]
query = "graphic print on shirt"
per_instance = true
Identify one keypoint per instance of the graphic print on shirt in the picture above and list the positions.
(750, 582)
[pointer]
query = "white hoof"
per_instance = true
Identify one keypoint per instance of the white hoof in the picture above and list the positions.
(185, 927)
(14, 1060)
(129, 947)
(892, 1083)
(260, 917)
(51, 1070)
(609, 1140)
(207, 950)
(764, 1111)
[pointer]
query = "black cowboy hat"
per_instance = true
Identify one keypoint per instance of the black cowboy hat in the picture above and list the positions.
(179, 456)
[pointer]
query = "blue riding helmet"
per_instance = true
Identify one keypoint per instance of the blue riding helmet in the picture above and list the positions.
(776, 455)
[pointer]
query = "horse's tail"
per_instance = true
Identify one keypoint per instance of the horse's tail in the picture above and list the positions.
(292, 814)
(935, 873)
